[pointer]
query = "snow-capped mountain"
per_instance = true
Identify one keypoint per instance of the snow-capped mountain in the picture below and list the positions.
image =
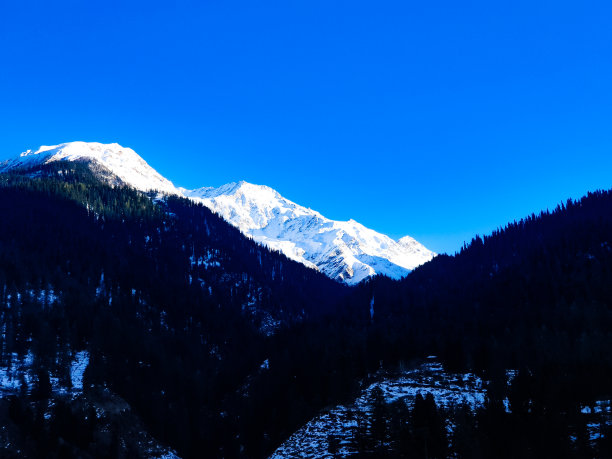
(345, 251)
(123, 163)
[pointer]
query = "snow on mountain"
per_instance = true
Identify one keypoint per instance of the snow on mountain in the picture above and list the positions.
(122, 162)
(345, 251)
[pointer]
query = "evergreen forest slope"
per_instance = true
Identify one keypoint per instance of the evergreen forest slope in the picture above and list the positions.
(223, 348)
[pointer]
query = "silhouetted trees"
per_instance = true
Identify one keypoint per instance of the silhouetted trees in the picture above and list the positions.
(178, 311)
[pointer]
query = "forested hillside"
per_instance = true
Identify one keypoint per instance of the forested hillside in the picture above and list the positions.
(174, 306)
(534, 297)
(528, 308)
(536, 292)
(218, 347)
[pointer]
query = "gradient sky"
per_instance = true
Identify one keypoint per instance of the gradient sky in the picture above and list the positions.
(437, 119)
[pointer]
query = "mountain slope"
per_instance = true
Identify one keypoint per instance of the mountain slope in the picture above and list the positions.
(175, 308)
(534, 296)
(345, 251)
(121, 162)
(160, 293)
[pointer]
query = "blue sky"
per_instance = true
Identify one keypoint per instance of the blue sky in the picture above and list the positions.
(435, 119)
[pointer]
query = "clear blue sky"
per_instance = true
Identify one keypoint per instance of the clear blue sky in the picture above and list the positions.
(435, 119)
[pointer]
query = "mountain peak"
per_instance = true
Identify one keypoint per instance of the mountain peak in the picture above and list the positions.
(78, 148)
(253, 191)
(406, 240)
(122, 162)
(345, 251)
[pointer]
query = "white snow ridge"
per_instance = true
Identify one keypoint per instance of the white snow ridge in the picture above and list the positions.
(345, 251)
(124, 163)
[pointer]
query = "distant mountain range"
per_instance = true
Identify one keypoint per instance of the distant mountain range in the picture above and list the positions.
(345, 251)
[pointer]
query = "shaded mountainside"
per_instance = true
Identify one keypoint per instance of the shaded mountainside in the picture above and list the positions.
(539, 289)
(222, 348)
(175, 307)
(534, 298)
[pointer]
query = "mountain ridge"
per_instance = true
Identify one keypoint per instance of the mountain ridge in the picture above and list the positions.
(345, 251)
(125, 163)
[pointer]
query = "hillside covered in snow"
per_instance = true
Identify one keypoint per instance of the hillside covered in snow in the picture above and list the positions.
(343, 250)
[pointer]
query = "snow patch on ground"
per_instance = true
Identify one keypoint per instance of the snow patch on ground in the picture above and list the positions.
(600, 410)
(77, 369)
(269, 325)
(205, 261)
(19, 369)
(11, 374)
